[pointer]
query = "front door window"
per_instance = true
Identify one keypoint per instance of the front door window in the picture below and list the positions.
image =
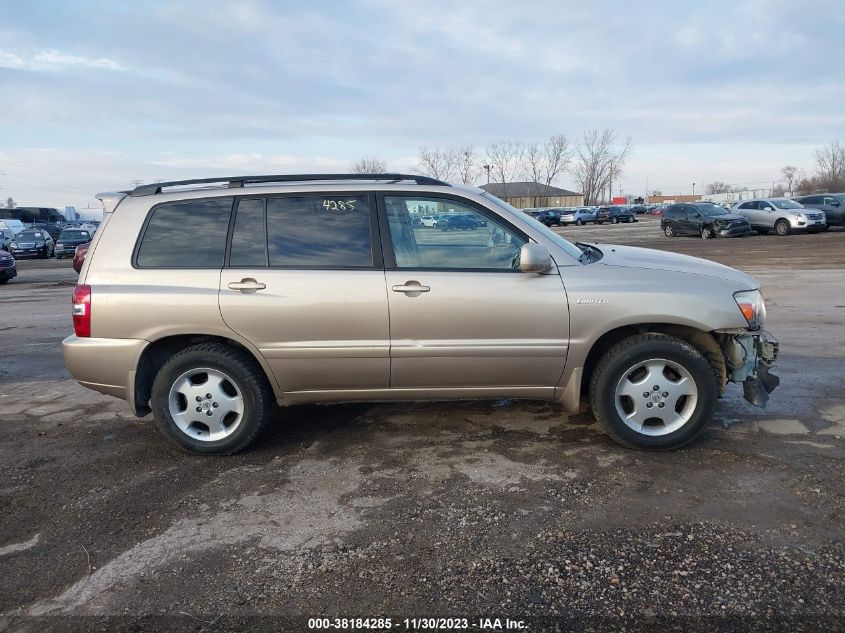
(460, 237)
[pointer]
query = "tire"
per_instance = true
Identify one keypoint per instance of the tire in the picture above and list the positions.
(614, 221)
(241, 376)
(707, 233)
(685, 415)
(782, 227)
(669, 230)
(578, 222)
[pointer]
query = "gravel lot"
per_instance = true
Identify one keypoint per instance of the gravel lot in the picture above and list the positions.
(468, 510)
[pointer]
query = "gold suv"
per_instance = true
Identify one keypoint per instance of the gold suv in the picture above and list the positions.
(207, 301)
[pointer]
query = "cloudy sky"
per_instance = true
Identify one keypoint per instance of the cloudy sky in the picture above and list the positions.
(97, 94)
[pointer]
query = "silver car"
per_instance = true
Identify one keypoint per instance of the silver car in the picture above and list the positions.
(578, 216)
(206, 302)
(781, 215)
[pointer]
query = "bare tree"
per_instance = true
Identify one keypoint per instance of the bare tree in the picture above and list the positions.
(505, 158)
(830, 167)
(369, 165)
(544, 163)
(467, 165)
(437, 163)
(717, 187)
(10, 203)
(792, 176)
(657, 192)
(599, 160)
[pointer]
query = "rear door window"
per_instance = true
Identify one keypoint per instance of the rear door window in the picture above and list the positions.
(320, 231)
(185, 234)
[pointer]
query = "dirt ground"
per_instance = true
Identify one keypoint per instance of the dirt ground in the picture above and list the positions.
(472, 510)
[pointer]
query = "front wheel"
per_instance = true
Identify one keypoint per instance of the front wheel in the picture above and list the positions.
(614, 221)
(669, 230)
(211, 399)
(578, 222)
(707, 233)
(782, 227)
(653, 391)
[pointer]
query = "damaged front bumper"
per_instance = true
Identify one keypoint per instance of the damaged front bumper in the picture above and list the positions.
(748, 357)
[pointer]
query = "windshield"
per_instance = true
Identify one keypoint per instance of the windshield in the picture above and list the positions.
(30, 235)
(74, 235)
(710, 209)
(567, 246)
(787, 204)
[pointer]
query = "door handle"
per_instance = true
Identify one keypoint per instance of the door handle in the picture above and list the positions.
(411, 288)
(247, 284)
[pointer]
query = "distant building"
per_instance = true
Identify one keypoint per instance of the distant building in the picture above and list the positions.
(28, 215)
(527, 195)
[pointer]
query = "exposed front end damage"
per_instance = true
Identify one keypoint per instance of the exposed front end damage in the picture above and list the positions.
(748, 357)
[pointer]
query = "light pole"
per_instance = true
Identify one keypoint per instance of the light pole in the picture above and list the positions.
(487, 168)
(693, 188)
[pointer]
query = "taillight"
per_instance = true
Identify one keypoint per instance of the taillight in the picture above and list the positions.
(82, 310)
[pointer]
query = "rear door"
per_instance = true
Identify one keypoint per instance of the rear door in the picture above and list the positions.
(750, 211)
(833, 209)
(462, 315)
(304, 282)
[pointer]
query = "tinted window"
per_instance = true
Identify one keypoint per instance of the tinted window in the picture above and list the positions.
(74, 235)
(747, 205)
(673, 211)
(811, 200)
(187, 234)
(467, 239)
(249, 238)
(325, 231)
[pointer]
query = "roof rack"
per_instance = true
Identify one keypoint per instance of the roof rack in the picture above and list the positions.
(240, 181)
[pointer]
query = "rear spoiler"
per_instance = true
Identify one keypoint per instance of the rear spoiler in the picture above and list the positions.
(110, 199)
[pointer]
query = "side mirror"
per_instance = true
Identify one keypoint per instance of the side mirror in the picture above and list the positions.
(534, 258)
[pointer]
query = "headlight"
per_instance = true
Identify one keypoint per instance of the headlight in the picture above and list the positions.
(752, 306)
(13, 244)
(797, 214)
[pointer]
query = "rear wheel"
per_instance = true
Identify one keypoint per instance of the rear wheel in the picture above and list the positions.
(653, 391)
(782, 227)
(211, 399)
(669, 230)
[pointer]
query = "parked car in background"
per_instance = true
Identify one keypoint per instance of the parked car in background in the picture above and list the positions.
(658, 211)
(32, 243)
(614, 214)
(428, 221)
(52, 229)
(578, 216)
(703, 218)
(781, 215)
(549, 217)
(833, 205)
(68, 240)
(6, 237)
(458, 222)
(8, 269)
(12, 226)
(639, 209)
(79, 256)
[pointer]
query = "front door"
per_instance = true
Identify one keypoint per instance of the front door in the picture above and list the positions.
(462, 315)
(304, 282)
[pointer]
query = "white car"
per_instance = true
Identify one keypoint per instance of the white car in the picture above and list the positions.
(781, 215)
(428, 221)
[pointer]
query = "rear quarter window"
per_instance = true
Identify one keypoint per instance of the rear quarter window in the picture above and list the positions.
(185, 234)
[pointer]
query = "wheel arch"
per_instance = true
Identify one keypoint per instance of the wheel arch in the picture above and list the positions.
(703, 341)
(159, 351)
